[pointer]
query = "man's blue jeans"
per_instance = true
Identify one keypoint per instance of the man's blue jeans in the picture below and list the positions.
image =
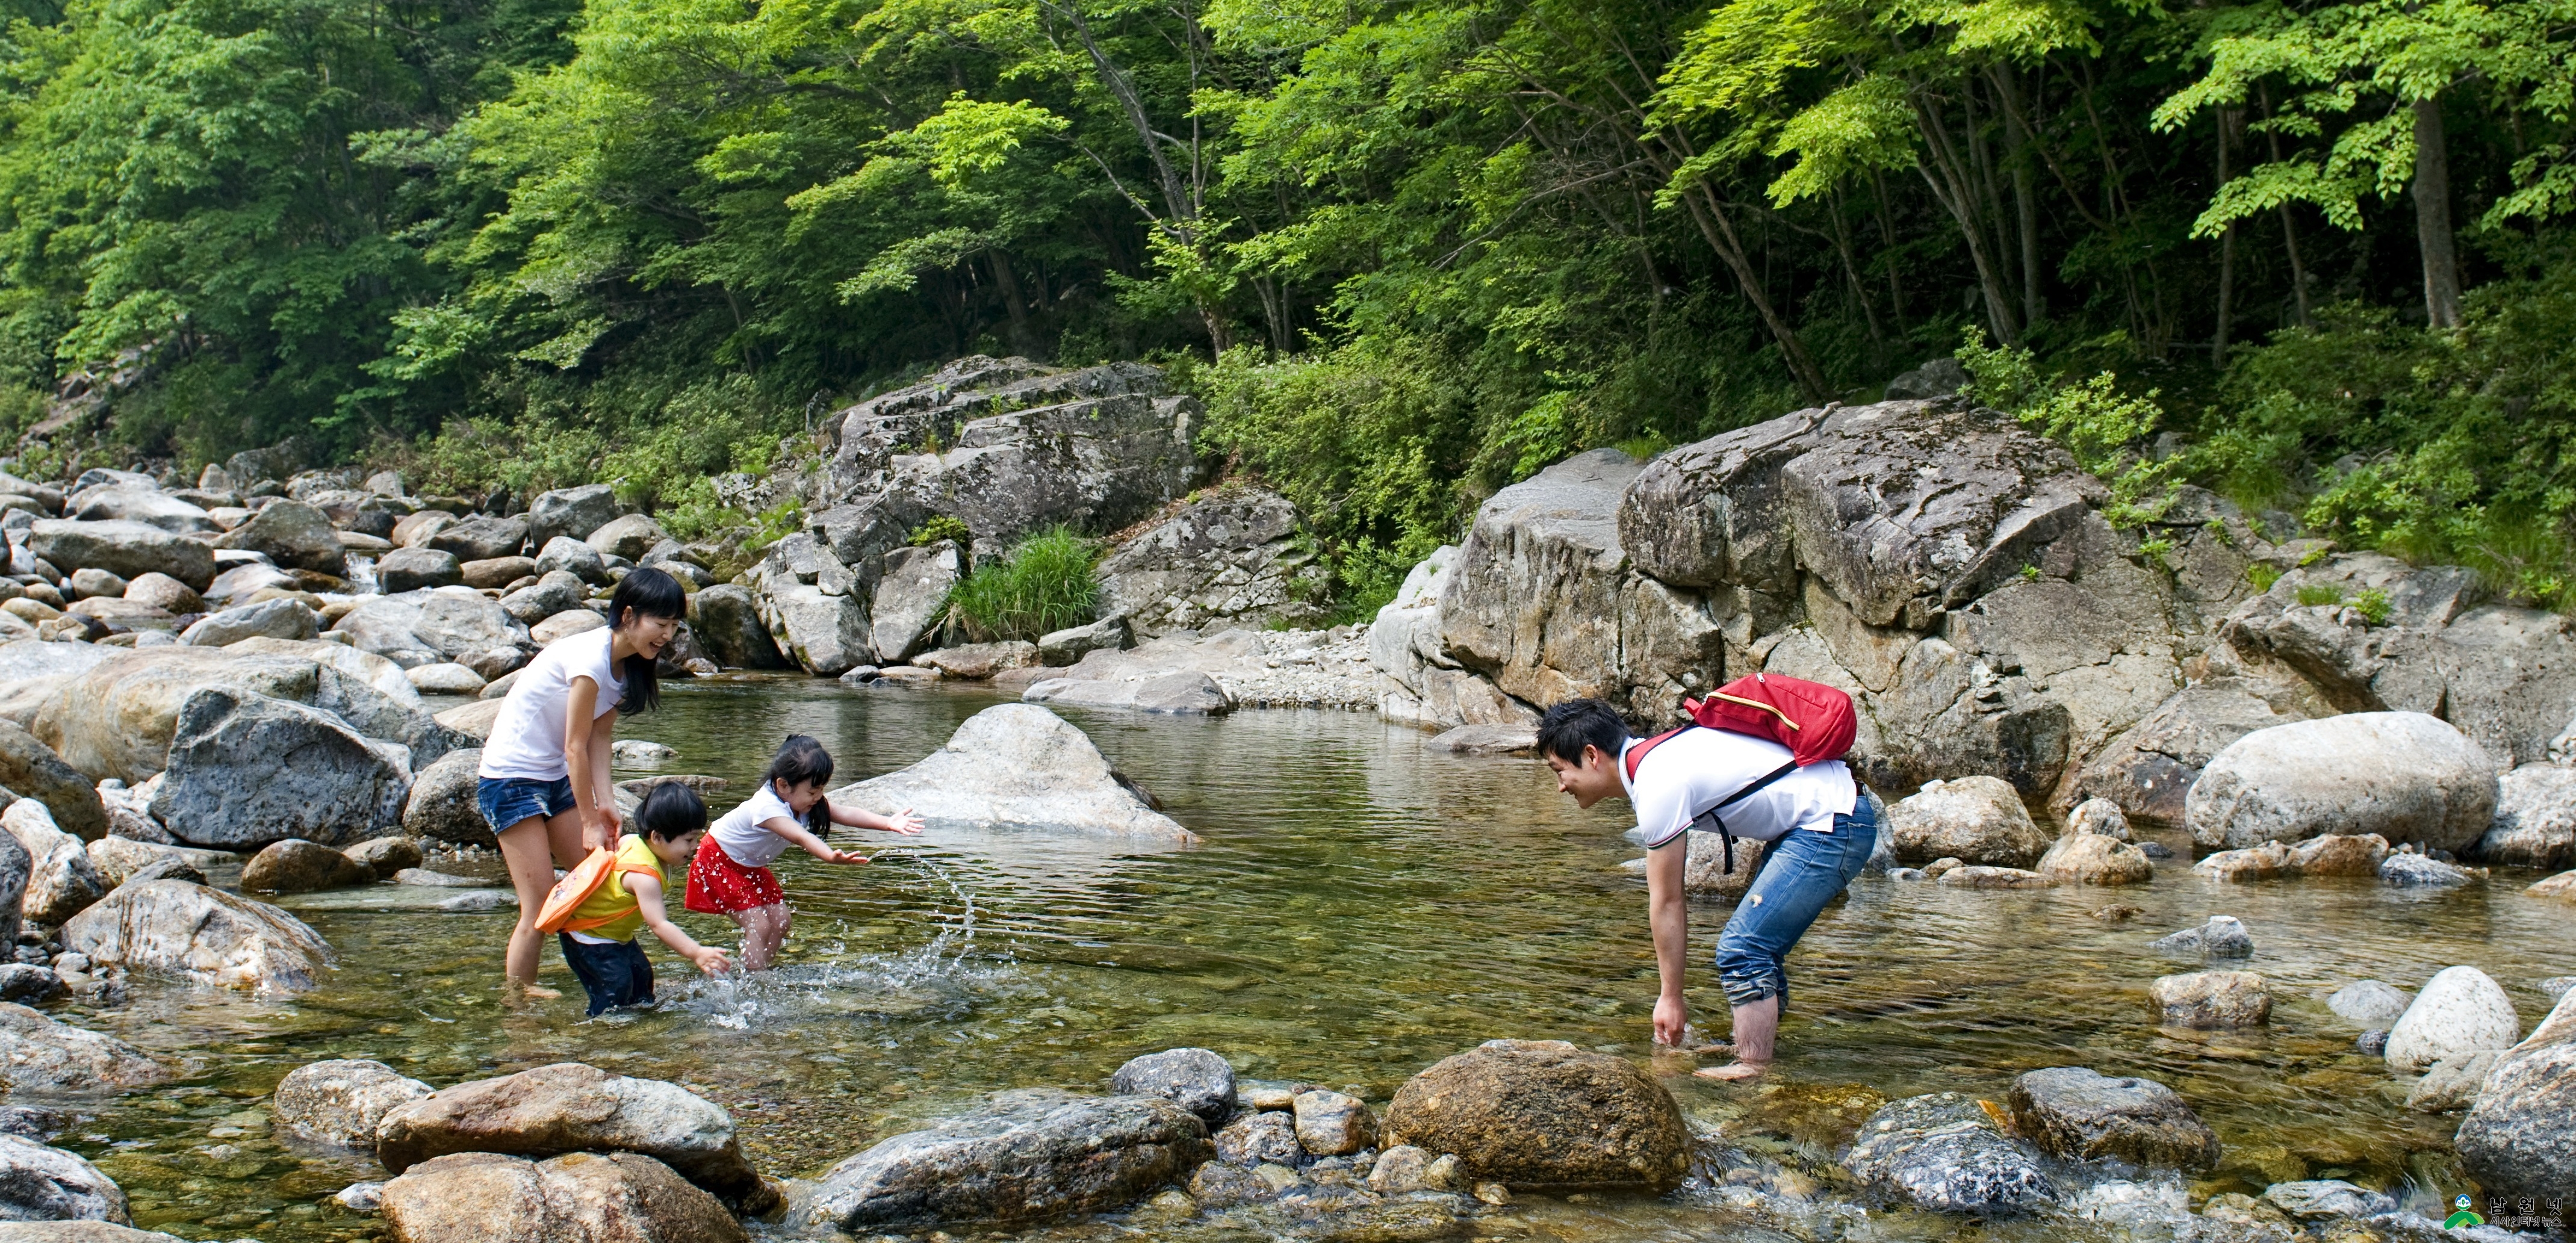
(1798, 875)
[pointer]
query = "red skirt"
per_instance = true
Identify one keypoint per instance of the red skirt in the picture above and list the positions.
(720, 886)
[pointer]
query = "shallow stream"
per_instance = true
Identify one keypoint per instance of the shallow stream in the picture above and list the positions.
(1362, 907)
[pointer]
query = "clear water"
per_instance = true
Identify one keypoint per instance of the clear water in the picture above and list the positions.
(1361, 907)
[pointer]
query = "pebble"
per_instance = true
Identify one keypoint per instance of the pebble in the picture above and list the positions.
(2117, 913)
(2155, 850)
(363, 1198)
(1905, 874)
(1494, 1194)
(2371, 1044)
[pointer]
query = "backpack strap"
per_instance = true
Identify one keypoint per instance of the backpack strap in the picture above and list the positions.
(1708, 821)
(1637, 754)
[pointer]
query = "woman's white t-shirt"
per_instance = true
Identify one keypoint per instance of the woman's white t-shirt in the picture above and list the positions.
(739, 832)
(528, 737)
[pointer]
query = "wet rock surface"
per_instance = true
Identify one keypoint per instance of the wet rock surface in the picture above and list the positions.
(1016, 766)
(619, 1197)
(570, 1107)
(2212, 999)
(1542, 1114)
(202, 934)
(1943, 1152)
(2082, 1114)
(39, 1054)
(2459, 1011)
(1028, 1155)
(39, 1183)
(1197, 1080)
(342, 1101)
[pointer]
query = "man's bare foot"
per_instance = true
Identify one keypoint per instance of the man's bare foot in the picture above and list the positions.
(1734, 1072)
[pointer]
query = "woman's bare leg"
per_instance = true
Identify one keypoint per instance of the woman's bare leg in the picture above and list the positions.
(533, 848)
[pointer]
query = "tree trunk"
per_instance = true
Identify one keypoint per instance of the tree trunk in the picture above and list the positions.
(2433, 218)
(1008, 283)
(2289, 229)
(2226, 256)
(1720, 233)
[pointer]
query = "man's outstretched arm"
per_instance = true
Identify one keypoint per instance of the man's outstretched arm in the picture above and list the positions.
(1668, 910)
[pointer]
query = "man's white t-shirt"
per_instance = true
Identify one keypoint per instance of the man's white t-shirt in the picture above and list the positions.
(1690, 771)
(528, 737)
(739, 832)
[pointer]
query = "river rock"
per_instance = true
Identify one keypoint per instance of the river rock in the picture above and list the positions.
(299, 866)
(2224, 936)
(496, 573)
(1978, 820)
(2413, 871)
(481, 538)
(1331, 1124)
(825, 634)
(413, 569)
(1187, 693)
(1260, 1137)
(564, 625)
(975, 662)
(2096, 859)
(630, 536)
(342, 1101)
(2535, 819)
(1026, 1156)
(1197, 1080)
(2212, 1000)
(1016, 766)
(2326, 1199)
(274, 619)
(2080, 1114)
(1059, 648)
(2269, 861)
(21, 981)
(293, 534)
(30, 769)
(2452, 1083)
(120, 861)
(2460, 1011)
(446, 679)
(60, 881)
(569, 1107)
(553, 593)
(42, 1056)
(1979, 876)
(126, 549)
(246, 770)
(1230, 557)
(2561, 887)
(2338, 854)
(2403, 775)
(1490, 740)
(1541, 1114)
(172, 927)
(149, 505)
(909, 597)
(413, 530)
(237, 583)
(473, 720)
(581, 1197)
(570, 513)
(1418, 683)
(2521, 1130)
(727, 622)
(165, 593)
(92, 584)
(2100, 817)
(2369, 1003)
(1943, 1153)
(38, 1183)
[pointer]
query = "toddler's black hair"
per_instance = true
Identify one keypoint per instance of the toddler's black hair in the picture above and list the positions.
(671, 810)
(801, 759)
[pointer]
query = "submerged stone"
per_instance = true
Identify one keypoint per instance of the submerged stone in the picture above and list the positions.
(1943, 1153)
(2075, 1112)
(1027, 1156)
(1542, 1114)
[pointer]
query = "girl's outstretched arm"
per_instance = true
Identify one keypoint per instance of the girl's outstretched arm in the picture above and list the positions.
(806, 840)
(900, 822)
(648, 898)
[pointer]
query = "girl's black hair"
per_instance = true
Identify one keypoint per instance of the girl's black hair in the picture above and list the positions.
(645, 592)
(671, 809)
(801, 759)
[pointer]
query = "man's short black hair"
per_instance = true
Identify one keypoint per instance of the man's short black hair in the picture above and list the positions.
(1577, 723)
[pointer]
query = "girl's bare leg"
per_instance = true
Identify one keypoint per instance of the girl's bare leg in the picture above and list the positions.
(533, 848)
(764, 929)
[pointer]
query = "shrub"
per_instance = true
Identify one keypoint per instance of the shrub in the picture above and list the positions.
(941, 527)
(1046, 583)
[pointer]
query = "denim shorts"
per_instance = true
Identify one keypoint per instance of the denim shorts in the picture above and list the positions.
(1798, 875)
(505, 801)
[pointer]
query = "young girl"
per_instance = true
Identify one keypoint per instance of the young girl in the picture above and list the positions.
(600, 942)
(730, 875)
(544, 785)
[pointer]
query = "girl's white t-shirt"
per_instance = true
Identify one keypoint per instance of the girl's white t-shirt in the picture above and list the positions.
(528, 737)
(739, 832)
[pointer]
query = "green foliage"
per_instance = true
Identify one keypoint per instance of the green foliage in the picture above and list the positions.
(2372, 604)
(1046, 583)
(2315, 594)
(941, 527)
(2104, 428)
(2262, 575)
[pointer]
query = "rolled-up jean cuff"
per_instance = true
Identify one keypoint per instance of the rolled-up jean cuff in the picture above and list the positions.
(1745, 988)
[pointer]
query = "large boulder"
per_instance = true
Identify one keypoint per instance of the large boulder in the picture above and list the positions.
(1542, 1115)
(481, 538)
(2460, 1011)
(825, 633)
(1976, 820)
(42, 1056)
(1198, 1080)
(570, 513)
(565, 555)
(246, 769)
(1229, 558)
(630, 537)
(1418, 683)
(911, 594)
(38, 1183)
(1025, 1156)
(342, 1101)
(16, 868)
(727, 621)
(2094, 859)
(555, 591)
(278, 618)
(976, 662)
(1011, 447)
(30, 769)
(431, 626)
(411, 569)
(172, 927)
(2081, 1114)
(2403, 775)
(150, 506)
(569, 1107)
(292, 534)
(580, 1197)
(61, 882)
(1016, 767)
(118, 718)
(2521, 1130)
(1943, 1152)
(2148, 770)
(125, 549)
(2535, 819)
(442, 805)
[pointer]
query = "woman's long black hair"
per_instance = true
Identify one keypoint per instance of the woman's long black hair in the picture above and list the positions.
(801, 759)
(644, 592)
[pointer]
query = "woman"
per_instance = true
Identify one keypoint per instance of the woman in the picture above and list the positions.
(544, 787)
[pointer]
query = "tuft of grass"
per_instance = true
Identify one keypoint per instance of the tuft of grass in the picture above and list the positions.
(941, 527)
(2262, 575)
(2372, 604)
(2320, 593)
(1045, 583)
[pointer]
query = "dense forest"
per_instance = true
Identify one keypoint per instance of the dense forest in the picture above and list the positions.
(2311, 254)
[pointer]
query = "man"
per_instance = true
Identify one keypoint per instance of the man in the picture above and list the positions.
(1817, 831)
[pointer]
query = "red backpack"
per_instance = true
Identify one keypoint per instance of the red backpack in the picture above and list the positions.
(1813, 720)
